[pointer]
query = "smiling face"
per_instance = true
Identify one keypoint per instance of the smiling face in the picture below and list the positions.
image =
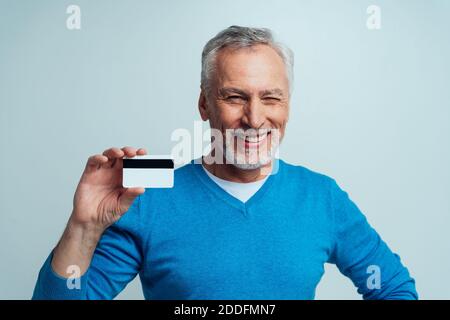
(249, 90)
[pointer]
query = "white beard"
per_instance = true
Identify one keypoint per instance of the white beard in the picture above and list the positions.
(238, 159)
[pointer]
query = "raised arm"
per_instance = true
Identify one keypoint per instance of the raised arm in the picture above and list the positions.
(91, 245)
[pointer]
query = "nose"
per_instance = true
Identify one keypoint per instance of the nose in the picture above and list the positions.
(254, 114)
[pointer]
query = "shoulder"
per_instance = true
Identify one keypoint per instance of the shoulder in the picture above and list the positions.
(299, 174)
(322, 186)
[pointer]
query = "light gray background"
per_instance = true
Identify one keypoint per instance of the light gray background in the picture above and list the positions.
(370, 108)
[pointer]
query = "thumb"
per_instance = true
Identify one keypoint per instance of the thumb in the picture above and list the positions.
(128, 196)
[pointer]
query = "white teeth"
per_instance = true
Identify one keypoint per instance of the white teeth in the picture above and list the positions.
(262, 134)
(255, 139)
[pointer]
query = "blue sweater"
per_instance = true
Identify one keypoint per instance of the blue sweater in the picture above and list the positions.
(196, 241)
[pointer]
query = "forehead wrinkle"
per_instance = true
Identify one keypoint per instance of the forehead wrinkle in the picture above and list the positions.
(264, 64)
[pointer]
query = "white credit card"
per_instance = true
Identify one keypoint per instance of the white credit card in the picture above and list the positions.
(149, 171)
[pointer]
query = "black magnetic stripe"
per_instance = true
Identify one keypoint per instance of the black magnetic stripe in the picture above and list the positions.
(148, 163)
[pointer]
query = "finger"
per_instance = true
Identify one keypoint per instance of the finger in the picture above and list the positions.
(129, 151)
(113, 153)
(95, 161)
(141, 151)
(134, 191)
(128, 196)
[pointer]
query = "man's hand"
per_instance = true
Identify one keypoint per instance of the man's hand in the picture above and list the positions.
(99, 201)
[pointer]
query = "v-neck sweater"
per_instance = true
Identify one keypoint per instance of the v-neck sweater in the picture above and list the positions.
(197, 241)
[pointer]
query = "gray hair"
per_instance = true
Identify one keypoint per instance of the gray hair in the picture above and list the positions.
(242, 37)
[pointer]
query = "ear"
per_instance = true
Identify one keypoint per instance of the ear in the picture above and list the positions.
(203, 106)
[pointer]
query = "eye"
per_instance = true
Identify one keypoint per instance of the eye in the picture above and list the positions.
(235, 98)
(271, 99)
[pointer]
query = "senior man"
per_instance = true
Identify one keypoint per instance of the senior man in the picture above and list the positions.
(249, 227)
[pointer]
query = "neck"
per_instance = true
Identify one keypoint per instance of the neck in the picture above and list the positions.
(231, 173)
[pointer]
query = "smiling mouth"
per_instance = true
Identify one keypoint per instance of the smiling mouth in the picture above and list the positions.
(254, 141)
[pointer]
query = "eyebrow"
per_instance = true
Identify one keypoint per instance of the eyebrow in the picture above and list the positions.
(228, 90)
(275, 91)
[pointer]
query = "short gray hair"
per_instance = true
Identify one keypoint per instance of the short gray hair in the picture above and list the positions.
(243, 37)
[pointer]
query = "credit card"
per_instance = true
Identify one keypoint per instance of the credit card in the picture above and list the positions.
(148, 171)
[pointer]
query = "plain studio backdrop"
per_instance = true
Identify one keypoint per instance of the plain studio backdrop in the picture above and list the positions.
(370, 108)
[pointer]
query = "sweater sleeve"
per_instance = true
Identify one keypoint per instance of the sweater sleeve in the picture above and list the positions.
(116, 261)
(360, 254)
